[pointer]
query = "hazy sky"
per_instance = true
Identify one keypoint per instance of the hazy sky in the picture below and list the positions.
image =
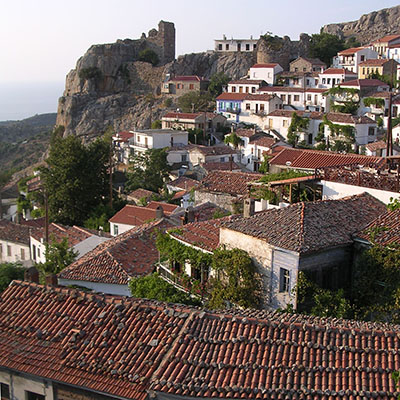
(41, 40)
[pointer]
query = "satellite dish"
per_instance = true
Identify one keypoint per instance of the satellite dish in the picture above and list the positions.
(288, 163)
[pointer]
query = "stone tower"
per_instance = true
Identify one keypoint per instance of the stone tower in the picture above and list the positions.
(163, 41)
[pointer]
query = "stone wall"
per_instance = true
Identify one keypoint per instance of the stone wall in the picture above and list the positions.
(164, 40)
(223, 200)
(64, 392)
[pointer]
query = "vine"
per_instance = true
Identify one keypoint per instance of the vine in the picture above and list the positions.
(348, 99)
(374, 101)
(297, 125)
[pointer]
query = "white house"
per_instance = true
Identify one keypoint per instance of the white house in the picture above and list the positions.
(295, 98)
(122, 151)
(266, 72)
(235, 45)
(335, 76)
(351, 58)
(384, 46)
(245, 85)
(145, 139)
(178, 120)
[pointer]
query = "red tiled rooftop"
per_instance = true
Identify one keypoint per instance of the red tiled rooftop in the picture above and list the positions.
(178, 115)
(168, 208)
(17, 233)
(130, 254)
(263, 141)
(338, 71)
(312, 159)
(220, 166)
(270, 65)
(364, 83)
(376, 145)
(387, 38)
(385, 230)
(246, 82)
(260, 97)
(234, 183)
(213, 150)
(300, 113)
(57, 232)
(349, 52)
(133, 215)
(140, 193)
(188, 78)
(232, 96)
(124, 136)
(183, 182)
(374, 62)
(274, 89)
(126, 347)
(245, 132)
(311, 226)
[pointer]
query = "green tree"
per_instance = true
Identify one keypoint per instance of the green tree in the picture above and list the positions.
(10, 272)
(58, 256)
(328, 303)
(156, 124)
(195, 102)
(325, 46)
(297, 126)
(237, 280)
(150, 56)
(233, 139)
(76, 178)
(148, 170)
(217, 83)
(154, 287)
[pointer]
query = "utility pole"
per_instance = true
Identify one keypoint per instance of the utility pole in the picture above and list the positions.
(389, 139)
(111, 173)
(46, 218)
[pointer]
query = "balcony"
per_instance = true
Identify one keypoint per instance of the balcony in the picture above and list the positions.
(142, 145)
(233, 110)
(170, 277)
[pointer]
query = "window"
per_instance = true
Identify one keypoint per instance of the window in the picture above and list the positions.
(191, 86)
(371, 131)
(220, 46)
(222, 159)
(283, 97)
(247, 106)
(261, 107)
(5, 392)
(240, 89)
(115, 230)
(296, 97)
(323, 81)
(284, 280)
(247, 47)
(233, 89)
(34, 252)
(247, 89)
(227, 47)
(304, 69)
(362, 58)
(253, 89)
(8, 250)
(285, 123)
(309, 97)
(38, 252)
(310, 138)
(183, 86)
(296, 69)
(34, 396)
(183, 158)
(22, 254)
(254, 46)
(178, 86)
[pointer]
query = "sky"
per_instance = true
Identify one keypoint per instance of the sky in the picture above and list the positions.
(41, 40)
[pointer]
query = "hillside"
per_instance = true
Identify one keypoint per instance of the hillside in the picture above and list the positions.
(370, 26)
(23, 143)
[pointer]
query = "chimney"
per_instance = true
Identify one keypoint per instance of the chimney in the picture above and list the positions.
(189, 215)
(248, 207)
(51, 280)
(31, 275)
(159, 212)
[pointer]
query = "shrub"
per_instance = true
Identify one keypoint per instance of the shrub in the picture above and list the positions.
(89, 73)
(150, 56)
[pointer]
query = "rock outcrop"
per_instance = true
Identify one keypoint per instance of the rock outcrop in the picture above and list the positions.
(109, 86)
(369, 27)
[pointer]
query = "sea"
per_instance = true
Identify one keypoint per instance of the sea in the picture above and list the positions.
(19, 100)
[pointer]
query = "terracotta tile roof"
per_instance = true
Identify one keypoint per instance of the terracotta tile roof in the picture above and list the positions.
(374, 62)
(338, 71)
(387, 38)
(34, 184)
(133, 215)
(179, 195)
(168, 208)
(188, 78)
(376, 145)
(385, 229)
(35, 223)
(131, 254)
(202, 212)
(292, 180)
(57, 232)
(314, 61)
(125, 347)
(232, 96)
(220, 166)
(202, 235)
(349, 52)
(260, 97)
(263, 141)
(364, 83)
(213, 150)
(16, 233)
(235, 183)
(183, 182)
(177, 115)
(245, 132)
(124, 136)
(270, 65)
(246, 82)
(311, 226)
(140, 193)
(301, 113)
(312, 159)
(349, 119)
(381, 94)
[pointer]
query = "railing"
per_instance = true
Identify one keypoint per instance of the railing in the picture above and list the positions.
(352, 175)
(169, 276)
(145, 146)
(233, 110)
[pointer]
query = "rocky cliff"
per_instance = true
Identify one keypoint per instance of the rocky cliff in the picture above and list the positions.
(370, 26)
(109, 86)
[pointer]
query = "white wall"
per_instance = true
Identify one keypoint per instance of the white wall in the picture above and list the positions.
(338, 190)
(108, 288)
(38, 248)
(121, 228)
(15, 255)
(21, 383)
